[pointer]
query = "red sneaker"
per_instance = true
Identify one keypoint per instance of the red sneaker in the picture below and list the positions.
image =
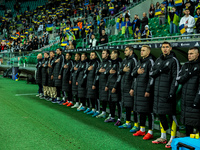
(70, 104)
(159, 141)
(66, 103)
(139, 133)
(148, 136)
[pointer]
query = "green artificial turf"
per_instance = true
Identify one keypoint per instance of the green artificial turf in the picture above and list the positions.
(29, 123)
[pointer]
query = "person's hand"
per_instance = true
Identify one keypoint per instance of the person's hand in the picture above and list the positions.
(93, 87)
(70, 82)
(131, 92)
(65, 66)
(75, 68)
(57, 60)
(135, 36)
(76, 83)
(49, 65)
(185, 26)
(90, 68)
(126, 69)
(113, 90)
(51, 77)
(112, 71)
(43, 65)
(102, 70)
(140, 70)
(59, 77)
(146, 94)
(102, 39)
(106, 88)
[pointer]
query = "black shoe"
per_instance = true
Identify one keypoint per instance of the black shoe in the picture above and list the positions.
(42, 97)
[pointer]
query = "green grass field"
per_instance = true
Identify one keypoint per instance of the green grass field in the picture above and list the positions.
(29, 123)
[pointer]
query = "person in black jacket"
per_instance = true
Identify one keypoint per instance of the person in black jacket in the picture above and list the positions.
(113, 87)
(164, 72)
(66, 73)
(57, 73)
(143, 92)
(73, 80)
(82, 83)
(104, 38)
(128, 64)
(45, 75)
(101, 79)
(52, 89)
(92, 90)
(39, 74)
(144, 22)
(189, 78)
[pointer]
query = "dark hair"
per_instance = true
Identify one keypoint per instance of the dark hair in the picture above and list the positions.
(187, 9)
(60, 49)
(52, 52)
(196, 48)
(84, 54)
(130, 48)
(69, 53)
(78, 54)
(116, 52)
(107, 51)
(93, 52)
(166, 43)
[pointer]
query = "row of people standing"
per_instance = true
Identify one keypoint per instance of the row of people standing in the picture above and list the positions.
(142, 86)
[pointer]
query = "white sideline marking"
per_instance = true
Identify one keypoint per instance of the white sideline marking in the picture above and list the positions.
(26, 94)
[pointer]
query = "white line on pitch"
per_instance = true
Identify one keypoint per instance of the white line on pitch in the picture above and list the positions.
(25, 94)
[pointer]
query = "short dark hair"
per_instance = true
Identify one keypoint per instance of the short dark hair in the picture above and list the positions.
(195, 48)
(52, 52)
(60, 49)
(116, 52)
(69, 53)
(166, 43)
(130, 48)
(93, 52)
(78, 54)
(84, 54)
(107, 51)
(187, 9)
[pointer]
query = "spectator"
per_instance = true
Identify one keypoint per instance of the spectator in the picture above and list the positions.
(151, 11)
(162, 15)
(103, 38)
(5, 33)
(136, 22)
(73, 41)
(137, 33)
(127, 14)
(144, 22)
(190, 7)
(90, 33)
(127, 24)
(101, 26)
(157, 6)
(93, 41)
(188, 22)
(173, 20)
(146, 33)
(70, 46)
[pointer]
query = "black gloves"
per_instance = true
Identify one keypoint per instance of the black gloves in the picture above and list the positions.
(170, 98)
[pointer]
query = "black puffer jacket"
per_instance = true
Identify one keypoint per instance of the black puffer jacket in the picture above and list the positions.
(74, 75)
(114, 81)
(58, 70)
(101, 79)
(39, 72)
(189, 77)
(164, 72)
(127, 79)
(66, 75)
(143, 83)
(81, 72)
(45, 72)
(50, 72)
(91, 79)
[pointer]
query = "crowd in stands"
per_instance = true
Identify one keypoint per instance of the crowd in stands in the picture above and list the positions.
(180, 15)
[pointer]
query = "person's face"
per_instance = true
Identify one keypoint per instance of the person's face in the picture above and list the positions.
(198, 11)
(92, 36)
(146, 28)
(66, 39)
(187, 12)
(104, 55)
(127, 52)
(126, 19)
(39, 56)
(135, 16)
(174, 9)
(46, 55)
(144, 52)
(68, 56)
(137, 29)
(92, 56)
(144, 15)
(70, 42)
(113, 56)
(166, 48)
(103, 32)
(58, 52)
(52, 54)
(77, 57)
(83, 57)
(193, 55)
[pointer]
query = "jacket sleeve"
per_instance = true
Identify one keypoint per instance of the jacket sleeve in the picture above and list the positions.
(151, 80)
(182, 76)
(108, 72)
(134, 72)
(197, 98)
(61, 64)
(154, 71)
(96, 79)
(71, 70)
(119, 76)
(174, 70)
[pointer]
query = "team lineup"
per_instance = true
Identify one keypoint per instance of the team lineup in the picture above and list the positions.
(143, 86)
